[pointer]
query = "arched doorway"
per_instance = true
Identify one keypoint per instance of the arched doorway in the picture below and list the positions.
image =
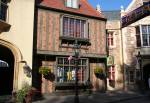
(146, 73)
(6, 72)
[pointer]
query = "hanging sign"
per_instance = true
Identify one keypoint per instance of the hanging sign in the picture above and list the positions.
(110, 60)
(136, 15)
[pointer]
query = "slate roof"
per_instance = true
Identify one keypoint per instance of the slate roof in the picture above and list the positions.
(85, 8)
(112, 15)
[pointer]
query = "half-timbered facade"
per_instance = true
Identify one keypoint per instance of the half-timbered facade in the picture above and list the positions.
(59, 24)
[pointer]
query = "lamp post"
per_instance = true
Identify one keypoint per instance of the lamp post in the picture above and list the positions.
(139, 58)
(76, 57)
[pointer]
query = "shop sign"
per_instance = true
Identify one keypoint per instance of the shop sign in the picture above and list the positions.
(110, 60)
(136, 15)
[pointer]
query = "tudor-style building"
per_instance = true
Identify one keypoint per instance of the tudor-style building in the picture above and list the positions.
(136, 43)
(59, 24)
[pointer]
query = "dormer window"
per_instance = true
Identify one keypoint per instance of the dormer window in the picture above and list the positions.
(72, 3)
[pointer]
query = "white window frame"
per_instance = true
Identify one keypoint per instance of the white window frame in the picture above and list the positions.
(72, 3)
(114, 40)
(141, 35)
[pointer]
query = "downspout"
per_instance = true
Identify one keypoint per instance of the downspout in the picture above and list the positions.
(122, 52)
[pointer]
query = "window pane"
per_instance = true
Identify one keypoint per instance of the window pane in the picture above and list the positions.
(149, 29)
(65, 26)
(60, 60)
(75, 3)
(82, 29)
(71, 27)
(69, 2)
(77, 28)
(144, 29)
(145, 41)
(66, 61)
(60, 74)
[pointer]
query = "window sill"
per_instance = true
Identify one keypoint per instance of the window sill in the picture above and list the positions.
(66, 86)
(82, 41)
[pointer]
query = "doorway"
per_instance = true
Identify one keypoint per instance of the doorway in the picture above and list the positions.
(146, 73)
(6, 71)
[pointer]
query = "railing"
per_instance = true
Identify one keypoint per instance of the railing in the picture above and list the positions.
(3, 11)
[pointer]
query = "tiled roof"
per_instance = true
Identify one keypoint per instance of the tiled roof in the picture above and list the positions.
(84, 9)
(112, 15)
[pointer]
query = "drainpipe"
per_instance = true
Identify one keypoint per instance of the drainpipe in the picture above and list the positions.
(122, 52)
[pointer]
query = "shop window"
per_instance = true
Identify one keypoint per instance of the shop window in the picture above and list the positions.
(66, 70)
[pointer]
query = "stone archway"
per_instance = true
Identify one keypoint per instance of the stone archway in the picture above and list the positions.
(15, 58)
(6, 71)
(146, 73)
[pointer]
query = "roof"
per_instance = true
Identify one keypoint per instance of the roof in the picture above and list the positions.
(85, 8)
(112, 15)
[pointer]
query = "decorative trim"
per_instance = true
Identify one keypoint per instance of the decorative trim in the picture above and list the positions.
(64, 53)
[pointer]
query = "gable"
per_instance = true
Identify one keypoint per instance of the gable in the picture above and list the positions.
(84, 8)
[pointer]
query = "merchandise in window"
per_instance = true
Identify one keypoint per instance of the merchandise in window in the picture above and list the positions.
(66, 70)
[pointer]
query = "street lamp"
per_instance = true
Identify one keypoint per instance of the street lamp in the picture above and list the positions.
(76, 58)
(139, 58)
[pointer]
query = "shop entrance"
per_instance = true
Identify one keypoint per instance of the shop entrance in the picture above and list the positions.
(146, 74)
(6, 70)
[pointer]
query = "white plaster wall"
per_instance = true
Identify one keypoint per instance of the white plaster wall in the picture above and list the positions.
(20, 17)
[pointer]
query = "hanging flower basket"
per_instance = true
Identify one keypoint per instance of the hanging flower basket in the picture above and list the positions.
(47, 73)
(99, 73)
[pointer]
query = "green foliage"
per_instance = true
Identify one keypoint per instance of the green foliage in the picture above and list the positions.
(22, 93)
(98, 70)
(44, 70)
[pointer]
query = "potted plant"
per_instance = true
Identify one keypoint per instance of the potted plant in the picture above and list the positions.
(47, 73)
(99, 73)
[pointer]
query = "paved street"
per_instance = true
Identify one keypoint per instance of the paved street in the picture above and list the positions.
(137, 100)
(109, 97)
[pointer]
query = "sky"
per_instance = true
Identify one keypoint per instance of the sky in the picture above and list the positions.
(107, 5)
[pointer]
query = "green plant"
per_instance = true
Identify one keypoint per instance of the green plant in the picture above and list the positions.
(44, 70)
(22, 93)
(98, 70)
